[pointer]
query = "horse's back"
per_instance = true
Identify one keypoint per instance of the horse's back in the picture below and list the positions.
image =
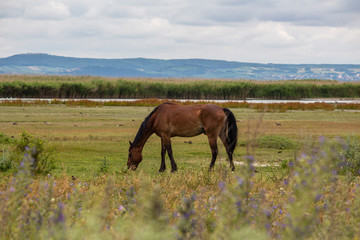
(187, 121)
(172, 110)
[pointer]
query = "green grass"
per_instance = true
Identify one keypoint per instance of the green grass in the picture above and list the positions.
(83, 136)
(275, 142)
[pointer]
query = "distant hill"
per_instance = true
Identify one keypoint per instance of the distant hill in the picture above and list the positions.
(44, 64)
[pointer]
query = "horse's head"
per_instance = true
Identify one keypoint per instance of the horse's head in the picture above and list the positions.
(135, 157)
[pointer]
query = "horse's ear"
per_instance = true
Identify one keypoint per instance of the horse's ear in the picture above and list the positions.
(131, 144)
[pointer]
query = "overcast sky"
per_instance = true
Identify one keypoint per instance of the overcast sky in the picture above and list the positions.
(266, 31)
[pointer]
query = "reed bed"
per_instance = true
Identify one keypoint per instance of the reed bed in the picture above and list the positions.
(95, 87)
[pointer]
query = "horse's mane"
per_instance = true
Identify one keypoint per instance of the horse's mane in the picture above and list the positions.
(144, 125)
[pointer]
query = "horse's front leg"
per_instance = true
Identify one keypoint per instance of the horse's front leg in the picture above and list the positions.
(163, 152)
(167, 143)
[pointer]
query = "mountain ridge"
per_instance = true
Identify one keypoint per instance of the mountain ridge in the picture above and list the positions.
(46, 64)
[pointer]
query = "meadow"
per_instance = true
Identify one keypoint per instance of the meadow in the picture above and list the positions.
(306, 184)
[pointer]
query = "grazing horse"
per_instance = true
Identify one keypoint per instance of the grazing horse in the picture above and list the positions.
(171, 120)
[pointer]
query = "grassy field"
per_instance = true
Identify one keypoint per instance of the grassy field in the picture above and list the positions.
(82, 137)
(301, 195)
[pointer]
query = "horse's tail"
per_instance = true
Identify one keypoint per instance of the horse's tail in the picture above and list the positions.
(231, 131)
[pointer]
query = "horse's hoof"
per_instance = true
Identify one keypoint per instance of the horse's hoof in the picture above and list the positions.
(161, 170)
(173, 170)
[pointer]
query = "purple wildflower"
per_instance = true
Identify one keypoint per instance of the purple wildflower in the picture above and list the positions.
(193, 197)
(238, 205)
(291, 164)
(221, 186)
(60, 217)
(318, 197)
(286, 182)
(267, 213)
(240, 181)
(121, 209)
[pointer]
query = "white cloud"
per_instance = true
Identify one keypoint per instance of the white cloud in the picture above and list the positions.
(51, 10)
(299, 31)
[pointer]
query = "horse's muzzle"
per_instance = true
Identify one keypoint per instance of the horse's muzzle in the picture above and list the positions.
(132, 167)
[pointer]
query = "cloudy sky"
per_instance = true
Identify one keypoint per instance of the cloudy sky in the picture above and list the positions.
(266, 31)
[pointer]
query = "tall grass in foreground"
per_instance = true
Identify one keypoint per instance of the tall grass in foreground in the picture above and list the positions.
(311, 201)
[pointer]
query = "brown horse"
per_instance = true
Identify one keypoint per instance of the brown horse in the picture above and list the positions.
(171, 120)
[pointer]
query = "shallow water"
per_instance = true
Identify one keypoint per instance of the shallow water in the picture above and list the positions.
(250, 100)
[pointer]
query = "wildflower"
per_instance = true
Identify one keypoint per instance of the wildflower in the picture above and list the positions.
(193, 197)
(221, 186)
(121, 209)
(238, 205)
(267, 213)
(34, 150)
(286, 182)
(268, 226)
(240, 181)
(318, 197)
(60, 217)
(321, 139)
(175, 214)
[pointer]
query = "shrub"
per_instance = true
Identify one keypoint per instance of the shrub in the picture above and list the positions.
(5, 161)
(276, 142)
(104, 166)
(35, 148)
(351, 156)
(5, 139)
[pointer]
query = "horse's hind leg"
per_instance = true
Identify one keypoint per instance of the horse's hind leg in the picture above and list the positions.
(228, 149)
(214, 150)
